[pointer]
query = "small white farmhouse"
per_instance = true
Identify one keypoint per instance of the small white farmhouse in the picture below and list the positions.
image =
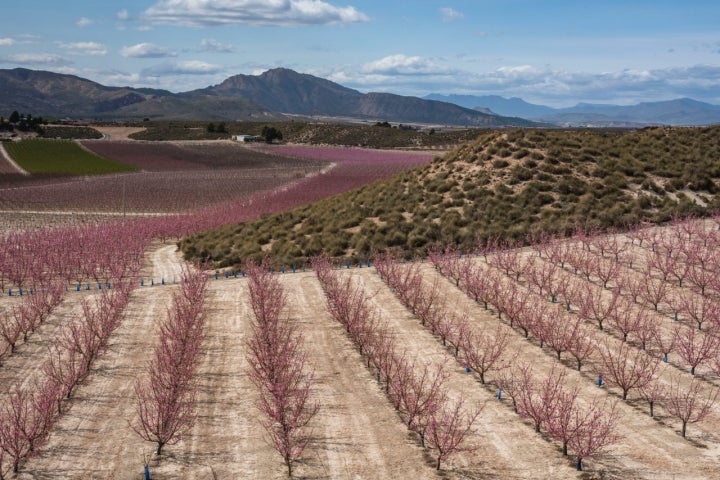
(248, 138)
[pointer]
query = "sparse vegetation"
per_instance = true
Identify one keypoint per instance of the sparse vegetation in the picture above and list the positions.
(482, 190)
(69, 132)
(315, 133)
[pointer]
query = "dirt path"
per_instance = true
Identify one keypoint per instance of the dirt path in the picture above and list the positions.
(227, 439)
(93, 439)
(359, 435)
(8, 165)
(117, 133)
(506, 447)
(351, 433)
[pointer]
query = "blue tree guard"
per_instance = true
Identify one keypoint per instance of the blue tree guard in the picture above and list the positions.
(600, 381)
(499, 394)
(142, 282)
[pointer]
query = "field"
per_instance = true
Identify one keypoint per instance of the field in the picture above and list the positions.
(60, 157)
(472, 363)
(357, 433)
(170, 179)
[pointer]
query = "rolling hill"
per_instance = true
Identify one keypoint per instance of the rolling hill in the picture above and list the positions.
(506, 184)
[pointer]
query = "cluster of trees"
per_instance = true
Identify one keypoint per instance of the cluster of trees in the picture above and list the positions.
(271, 134)
(38, 267)
(417, 391)
(219, 128)
(74, 255)
(278, 368)
(24, 318)
(166, 395)
(29, 409)
(552, 406)
(23, 122)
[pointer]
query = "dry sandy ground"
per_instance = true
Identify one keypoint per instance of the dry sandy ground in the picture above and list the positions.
(117, 133)
(356, 434)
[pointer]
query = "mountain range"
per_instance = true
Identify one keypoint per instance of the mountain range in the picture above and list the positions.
(281, 93)
(272, 95)
(682, 111)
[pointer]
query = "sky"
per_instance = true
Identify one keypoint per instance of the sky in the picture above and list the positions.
(551, 52)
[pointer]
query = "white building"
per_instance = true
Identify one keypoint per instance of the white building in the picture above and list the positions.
(247, 138)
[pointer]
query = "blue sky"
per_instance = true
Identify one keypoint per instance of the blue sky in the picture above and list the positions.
(554, 52)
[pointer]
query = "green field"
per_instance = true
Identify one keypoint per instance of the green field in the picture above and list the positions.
(61, 157)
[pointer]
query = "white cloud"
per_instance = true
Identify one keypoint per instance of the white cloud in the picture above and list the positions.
(83, 22)
(6, 42)
(449, 14)
(84, 48)
(402, 65)
(146, 50)
(202, 13)
(114, 78)
(46, 59)
(122, 15)
(210, 45)
(556, 87)
(189, 67)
